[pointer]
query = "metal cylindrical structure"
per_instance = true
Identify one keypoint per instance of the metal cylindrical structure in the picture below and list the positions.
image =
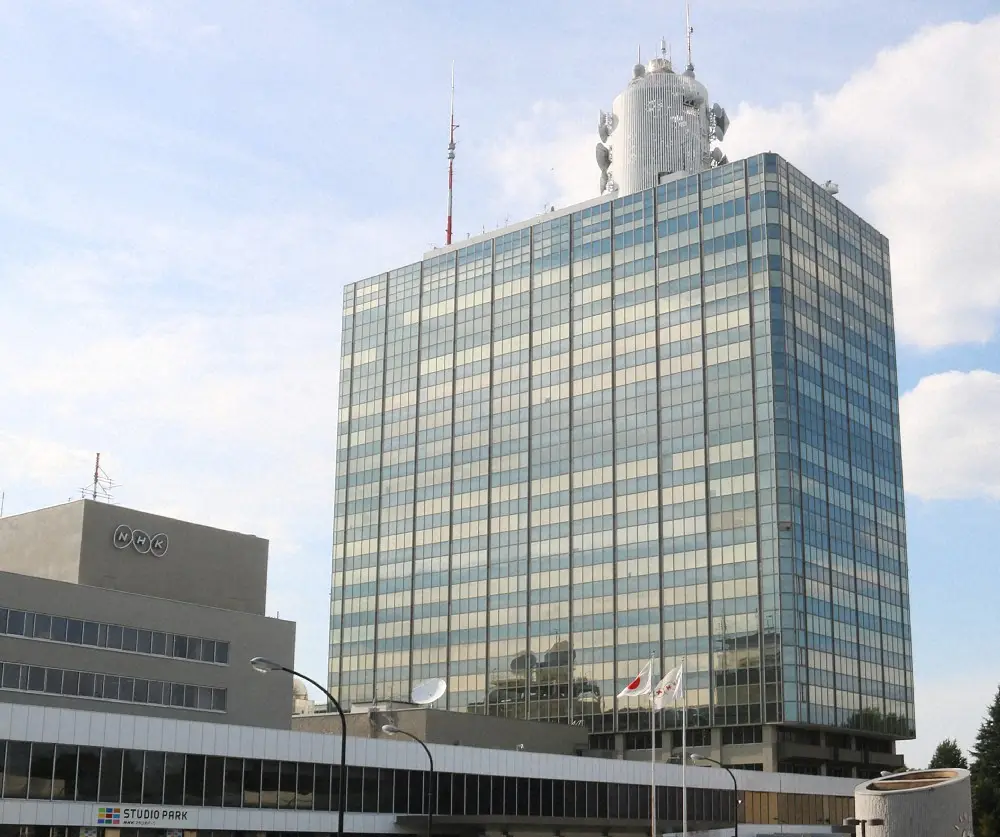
(919, 803)
(662, 127)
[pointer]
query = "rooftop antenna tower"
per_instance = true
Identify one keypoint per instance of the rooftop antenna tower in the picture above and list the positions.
(101, 486)
(689, 32)
(451, 156)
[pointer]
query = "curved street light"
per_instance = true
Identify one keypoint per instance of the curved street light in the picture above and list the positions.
(266, 666)
(392, 729)
(736, 791)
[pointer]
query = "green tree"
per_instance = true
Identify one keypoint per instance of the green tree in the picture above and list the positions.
(948, 754)
(986, 774)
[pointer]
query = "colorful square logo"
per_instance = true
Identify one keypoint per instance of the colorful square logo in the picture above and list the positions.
(109, 816)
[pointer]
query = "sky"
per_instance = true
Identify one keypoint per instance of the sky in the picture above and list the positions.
(187, 187)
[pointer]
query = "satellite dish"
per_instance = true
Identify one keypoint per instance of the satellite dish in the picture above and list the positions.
(428, 691)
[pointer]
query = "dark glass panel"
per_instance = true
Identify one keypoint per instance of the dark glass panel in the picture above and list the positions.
(15, 770)
(126, 689)
(286, 784)
(232, 795)
(400, 792)
(159, 645)
(497, 796)
(130, 637)
(304, 788)
(144, 642)
(269, 771)
(40, 772)
(417, 801)
(36, 679)
(324, 798)
(90, 633)
(369, 791)
(152, 786)
(522, 797)
(173, 779)
(222, 653)
(111, 684)
(71, 683)
(132, 772)
(140, 690)
(110, 789)
(215, 771)
(11, 676)
(53, 681)
(59, 628)
(15, 622)
(251, 783)
(194, 781)
(64, 773)
(89, 768)
(559, 798)
(43, 626)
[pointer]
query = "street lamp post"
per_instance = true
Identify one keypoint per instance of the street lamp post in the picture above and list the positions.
(736, 790)
(265, 666)
(390, 729)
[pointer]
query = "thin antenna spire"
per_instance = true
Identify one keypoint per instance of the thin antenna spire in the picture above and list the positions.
(689, 33)
(638, 53)
(451, 157)
(102, 486)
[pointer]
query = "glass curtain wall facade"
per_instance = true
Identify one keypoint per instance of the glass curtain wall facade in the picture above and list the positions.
(662, 426)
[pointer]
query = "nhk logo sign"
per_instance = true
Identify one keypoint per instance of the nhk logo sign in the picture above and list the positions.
(141, 542)
(141, 817)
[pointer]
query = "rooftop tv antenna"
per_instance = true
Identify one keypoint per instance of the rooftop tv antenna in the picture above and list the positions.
(101, 487)
(451, 157)
(689, 31)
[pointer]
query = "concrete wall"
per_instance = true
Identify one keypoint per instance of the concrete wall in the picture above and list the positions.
(919, 803)
(203, 565)
(252, 698)
(44, 543)
(437, 726)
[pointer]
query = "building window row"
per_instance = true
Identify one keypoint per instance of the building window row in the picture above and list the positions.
(20, 677)
(111, 636)
(102, 774)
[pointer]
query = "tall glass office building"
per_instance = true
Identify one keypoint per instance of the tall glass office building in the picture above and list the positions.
(660, 426)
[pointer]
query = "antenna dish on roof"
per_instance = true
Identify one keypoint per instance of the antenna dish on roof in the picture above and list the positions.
(428, 691)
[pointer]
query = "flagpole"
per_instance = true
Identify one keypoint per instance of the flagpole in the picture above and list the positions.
(652, 765)
(684, 757)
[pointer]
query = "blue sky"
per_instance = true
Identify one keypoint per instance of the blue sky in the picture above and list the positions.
(187, 187)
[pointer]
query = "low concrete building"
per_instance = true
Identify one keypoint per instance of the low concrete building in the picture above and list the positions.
(459, 729)
(108, 608)
(66, 773)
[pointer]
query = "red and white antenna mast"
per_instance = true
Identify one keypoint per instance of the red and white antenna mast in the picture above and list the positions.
(451, 156)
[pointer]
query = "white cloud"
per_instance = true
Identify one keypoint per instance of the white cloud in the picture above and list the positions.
(547, 158)
(912, 140)
(951, 438)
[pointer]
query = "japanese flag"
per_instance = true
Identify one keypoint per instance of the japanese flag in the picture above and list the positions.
(641, 684)
(671, 687)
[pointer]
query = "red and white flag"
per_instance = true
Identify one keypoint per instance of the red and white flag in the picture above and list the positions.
(671, 687)
(641, 684)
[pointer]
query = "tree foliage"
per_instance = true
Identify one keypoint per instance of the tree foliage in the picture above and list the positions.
(986, 774)
(948, 754)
